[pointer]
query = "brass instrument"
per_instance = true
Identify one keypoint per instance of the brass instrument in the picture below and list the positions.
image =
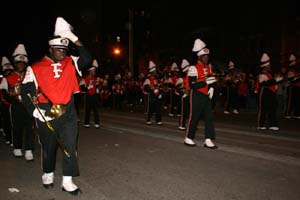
(50, 127)
(156, 89)
(99, 80)
(15, 90)
(57, 110)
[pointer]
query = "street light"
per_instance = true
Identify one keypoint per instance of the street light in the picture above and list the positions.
(117, 51)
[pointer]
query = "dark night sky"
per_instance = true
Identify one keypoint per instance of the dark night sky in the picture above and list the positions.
(170, 21)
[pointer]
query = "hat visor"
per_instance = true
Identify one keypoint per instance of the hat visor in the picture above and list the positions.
(58, 47)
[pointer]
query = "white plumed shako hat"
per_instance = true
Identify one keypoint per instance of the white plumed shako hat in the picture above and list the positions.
(185, 65)
(61, 25)
(6, 64)
(20, 54)
(152, 66)
(231, 65)
(265, 60)
(292, 60)
(174, 67)
(94, 65)
(200, 48)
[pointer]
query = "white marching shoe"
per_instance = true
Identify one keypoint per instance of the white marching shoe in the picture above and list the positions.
(262, 128)
(189, 142)
(235, 111)
(209, 144)
(69, 186)
(47, 180)
(274, 128)
(17, 152)
(28, 155)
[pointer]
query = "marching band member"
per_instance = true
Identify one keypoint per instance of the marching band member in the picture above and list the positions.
(232, 84)
(184, 95)
(174, 95)
(118, 92)
(293, 90)
(7, 69)
(152, 87)
(105, 93)
(21, 120)
(200, 97)
(90, 86)
(139, 88)
(50, 85)
(131, 91)
(266, 87)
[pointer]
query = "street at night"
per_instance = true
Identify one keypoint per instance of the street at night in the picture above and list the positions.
(150, 100)
(128, 160)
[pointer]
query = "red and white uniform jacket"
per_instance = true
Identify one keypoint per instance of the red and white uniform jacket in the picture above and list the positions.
(105, 93)
(151, 86)
(91, 84)
(57, 81)
(118, 88)
(15, 79)
(197, 76)
(3, 89)
(265, 80)
(293, 79)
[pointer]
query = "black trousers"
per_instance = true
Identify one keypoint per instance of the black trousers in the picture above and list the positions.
(185, 110)
(132, 98)
(66, 127)
(78, 99)
(267, 108)
(146, 103)
(117, 101)
(22, 123)
(231, 101)
(154, 106)
(200, 107)
(175, 103)
(91, 104)
(296, 100)
(293, 101)
(6, 122)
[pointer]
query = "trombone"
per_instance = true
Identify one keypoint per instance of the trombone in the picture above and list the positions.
(50, 127)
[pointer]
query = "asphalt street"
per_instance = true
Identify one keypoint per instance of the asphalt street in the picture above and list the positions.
(126, 159)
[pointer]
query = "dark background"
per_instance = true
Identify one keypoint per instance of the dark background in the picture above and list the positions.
(165, 30)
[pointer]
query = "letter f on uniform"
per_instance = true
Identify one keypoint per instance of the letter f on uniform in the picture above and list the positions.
(56, 70)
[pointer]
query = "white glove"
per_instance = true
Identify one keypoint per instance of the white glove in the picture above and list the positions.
(90, 86)
(69, 35)
(37, 115)
(184, 96)
(210, 92)
(211, 80)
(278, 78)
